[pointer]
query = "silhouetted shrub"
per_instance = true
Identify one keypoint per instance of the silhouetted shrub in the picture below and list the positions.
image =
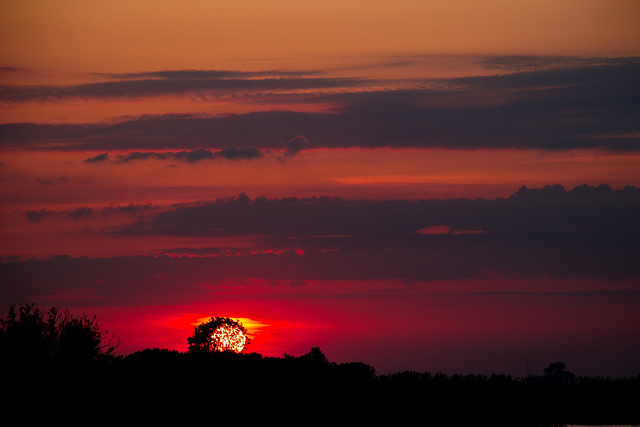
(557, 373)
(27, 336)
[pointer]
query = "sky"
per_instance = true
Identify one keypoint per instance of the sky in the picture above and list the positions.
(417, 185)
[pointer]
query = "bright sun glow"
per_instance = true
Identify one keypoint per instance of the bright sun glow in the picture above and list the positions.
(254, 327)
(229, 338)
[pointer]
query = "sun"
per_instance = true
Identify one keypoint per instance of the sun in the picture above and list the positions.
(228, 338)
(219, 334)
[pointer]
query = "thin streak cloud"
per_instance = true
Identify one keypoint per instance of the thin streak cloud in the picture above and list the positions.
(592, 106)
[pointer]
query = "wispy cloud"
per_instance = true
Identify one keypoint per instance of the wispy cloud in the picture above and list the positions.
(191, 156)
(560, 105)
(203, 83)
(83, 212)
(292, 147)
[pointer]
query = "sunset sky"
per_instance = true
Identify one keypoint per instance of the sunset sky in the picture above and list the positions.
(443, 186)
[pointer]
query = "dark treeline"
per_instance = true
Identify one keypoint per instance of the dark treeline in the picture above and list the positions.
(42, 369)
(312, 384)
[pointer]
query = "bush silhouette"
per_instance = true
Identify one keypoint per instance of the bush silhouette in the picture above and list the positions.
(28, 336)
(204, 377)
(557, 372)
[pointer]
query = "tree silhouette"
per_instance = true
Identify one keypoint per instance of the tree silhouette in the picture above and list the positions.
(557, 372)
(27, 336)
(218, 334)
(315, 357)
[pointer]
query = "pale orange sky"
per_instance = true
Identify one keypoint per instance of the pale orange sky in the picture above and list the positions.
(119, 35)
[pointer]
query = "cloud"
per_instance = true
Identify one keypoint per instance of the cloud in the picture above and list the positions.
(80, 213)
(189, 156)
(214, 252)
(60, 180)
(546, 62)
(97, 159)
(295, 145)
(291, 149)
(83, 212)
(554, 108)
(228, 153)
(165, 132)
(204, 83)
(588, 232)
(548, 104)
(149, 280)
(37, 216)
(209, 74)
(584, 215)
(12, 70)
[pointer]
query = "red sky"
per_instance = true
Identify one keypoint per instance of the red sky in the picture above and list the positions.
(417, 185)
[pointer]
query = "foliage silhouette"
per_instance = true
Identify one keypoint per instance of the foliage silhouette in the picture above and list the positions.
(309, 383)
(315, 357)
(557, 372)
(318, 385)
(27, 336)
(218, 334)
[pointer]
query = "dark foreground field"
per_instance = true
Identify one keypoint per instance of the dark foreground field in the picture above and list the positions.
(161, 385)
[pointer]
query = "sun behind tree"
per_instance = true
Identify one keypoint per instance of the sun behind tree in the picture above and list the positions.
(219, 334)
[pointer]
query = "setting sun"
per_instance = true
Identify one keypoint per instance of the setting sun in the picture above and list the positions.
(219, 334)
(229, 339)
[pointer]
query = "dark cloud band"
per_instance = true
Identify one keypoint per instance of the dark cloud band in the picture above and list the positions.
(586, 104)
(583, 215)
(190, 156)
(291, 148)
